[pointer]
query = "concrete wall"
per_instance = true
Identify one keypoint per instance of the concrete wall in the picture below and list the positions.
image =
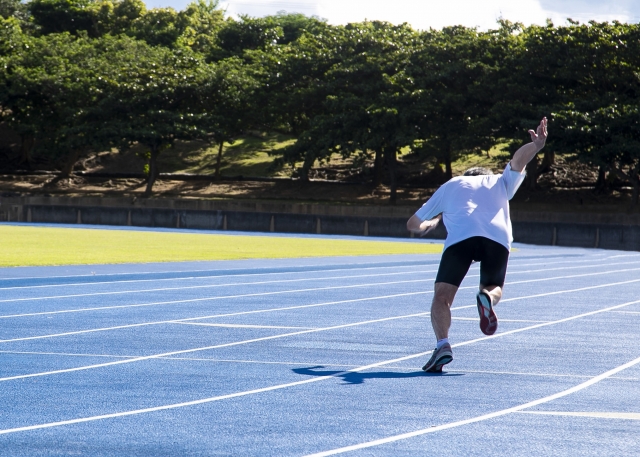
(618, 232)
(623, 237)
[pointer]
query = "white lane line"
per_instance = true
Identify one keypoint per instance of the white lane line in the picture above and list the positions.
(360, 265)
(173, 321)
(171, 302)
(484, 417)
(515, 260)
(322, 378)
(597, 415)
(210, 286)
(216, 297)
(303, 363)
(475, 319)
(206, 348)
(244, 326)
(566, 291)
(411, 268)
(189, 319)
(284, 335)
(543, 375)
(197, 402)
(70, 354)
(545, 324)
(283, 281)
(554, 278)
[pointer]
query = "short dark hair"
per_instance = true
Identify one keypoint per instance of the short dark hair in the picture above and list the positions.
(478, 171)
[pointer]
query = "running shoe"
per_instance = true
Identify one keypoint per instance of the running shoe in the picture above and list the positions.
(488, 319)
(439, 358)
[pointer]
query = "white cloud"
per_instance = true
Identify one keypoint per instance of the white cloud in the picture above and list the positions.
(423, 14)
(586, 10)
(266, 7)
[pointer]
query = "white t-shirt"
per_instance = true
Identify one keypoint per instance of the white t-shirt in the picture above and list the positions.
(475, 206)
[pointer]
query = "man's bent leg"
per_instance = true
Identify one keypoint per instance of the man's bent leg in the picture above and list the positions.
(487, 298)
(493, 269)
(443, 295)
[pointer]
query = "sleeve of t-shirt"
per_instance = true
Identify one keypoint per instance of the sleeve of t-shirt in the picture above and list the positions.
(512, 180)
(433, 206)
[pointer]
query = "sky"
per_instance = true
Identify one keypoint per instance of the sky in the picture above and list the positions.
(425, 14)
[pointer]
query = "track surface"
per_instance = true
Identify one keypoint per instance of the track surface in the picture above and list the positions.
(319, 356)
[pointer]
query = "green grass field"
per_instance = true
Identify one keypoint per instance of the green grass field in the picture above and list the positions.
(34, 246)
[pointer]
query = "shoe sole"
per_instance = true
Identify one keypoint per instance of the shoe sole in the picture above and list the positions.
(437, 366)
(488, 319)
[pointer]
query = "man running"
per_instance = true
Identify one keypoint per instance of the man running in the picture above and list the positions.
(475, 209)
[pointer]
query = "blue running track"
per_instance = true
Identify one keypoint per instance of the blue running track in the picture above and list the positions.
(319, 357)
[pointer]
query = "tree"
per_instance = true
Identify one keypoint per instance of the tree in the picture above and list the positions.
(12, 8)
(540, 72)
(158, 27)
(115, 17)
(12, 42)
(148, 97)
(364, 96)
(24, 107)
(48, 95)
(12, 38)
(294, 87)
(224, 98)
(94, 17)
(201, 22)
(451, 69)
(599, 120)
(294, 25)
(195, 27)
(56, 16)
(237, 36)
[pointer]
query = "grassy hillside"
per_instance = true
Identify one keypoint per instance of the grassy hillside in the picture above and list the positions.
(252, 155)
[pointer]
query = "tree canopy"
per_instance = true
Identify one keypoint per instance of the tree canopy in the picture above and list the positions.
(85, 75)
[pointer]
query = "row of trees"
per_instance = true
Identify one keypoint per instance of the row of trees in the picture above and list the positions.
(82, 75)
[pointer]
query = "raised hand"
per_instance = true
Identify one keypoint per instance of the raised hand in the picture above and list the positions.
(539, 137)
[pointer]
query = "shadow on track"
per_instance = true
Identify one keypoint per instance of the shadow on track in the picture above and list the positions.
(354, 377)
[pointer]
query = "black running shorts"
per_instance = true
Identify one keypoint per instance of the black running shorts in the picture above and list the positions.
(457, 259)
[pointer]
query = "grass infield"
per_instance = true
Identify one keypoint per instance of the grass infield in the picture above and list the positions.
(34, 246)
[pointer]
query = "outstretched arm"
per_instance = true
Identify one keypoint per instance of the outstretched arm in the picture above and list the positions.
(527, 152)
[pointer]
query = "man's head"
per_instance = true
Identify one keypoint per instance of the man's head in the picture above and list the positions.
(478, 171)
